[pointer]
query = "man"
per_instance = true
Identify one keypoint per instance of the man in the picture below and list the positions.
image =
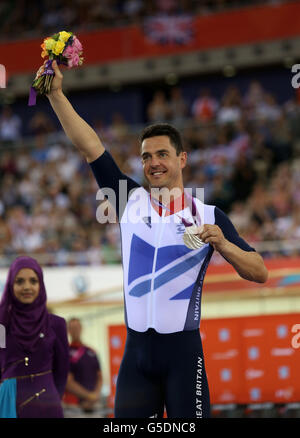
(163, 363)
(85, 377)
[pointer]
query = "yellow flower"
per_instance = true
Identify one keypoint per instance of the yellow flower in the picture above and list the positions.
(64, 36)
(59, 47)
(50, 43)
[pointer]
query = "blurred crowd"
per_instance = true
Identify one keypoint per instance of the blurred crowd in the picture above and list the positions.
(244, 150)
(26, 19)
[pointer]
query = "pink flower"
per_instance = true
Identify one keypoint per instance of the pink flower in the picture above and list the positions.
(72, 53)
(68, 52)
(77, 44)
(73, 61)
(72, 56)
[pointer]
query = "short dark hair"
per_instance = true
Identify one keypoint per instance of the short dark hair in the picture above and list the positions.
(164, 129)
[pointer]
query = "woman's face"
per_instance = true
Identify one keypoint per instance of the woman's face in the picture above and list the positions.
(26, 286)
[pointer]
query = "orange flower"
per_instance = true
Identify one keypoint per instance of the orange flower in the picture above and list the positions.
(44, 52)
(43, 46)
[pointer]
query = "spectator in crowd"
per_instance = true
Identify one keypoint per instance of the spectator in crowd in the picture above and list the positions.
(178, 107)
(10, 126)
(293, 232)
(253, 97)
(243, 178)
(240, 216)
(118, 128)
(281, 144)
(85, 376)
(204, 107)
(230, 110)
(268, 109)
(7, 164)
(158, 109)
(5, 235)
(40, 123)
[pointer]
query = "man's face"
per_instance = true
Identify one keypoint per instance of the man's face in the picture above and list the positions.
(162, 167)
(75, 329)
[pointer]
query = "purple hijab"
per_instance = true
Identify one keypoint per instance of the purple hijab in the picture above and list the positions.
(24, 322)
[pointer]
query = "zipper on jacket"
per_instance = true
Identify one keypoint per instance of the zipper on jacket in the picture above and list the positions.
(157, 246)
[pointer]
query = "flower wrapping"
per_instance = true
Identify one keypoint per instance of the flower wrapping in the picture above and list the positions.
(66, 49)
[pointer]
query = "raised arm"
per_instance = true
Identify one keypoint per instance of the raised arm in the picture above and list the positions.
(77, 130)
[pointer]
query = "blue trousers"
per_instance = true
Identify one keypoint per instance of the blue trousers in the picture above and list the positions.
(162, 371)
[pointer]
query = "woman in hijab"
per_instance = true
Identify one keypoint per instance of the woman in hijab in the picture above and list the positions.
(35, 361)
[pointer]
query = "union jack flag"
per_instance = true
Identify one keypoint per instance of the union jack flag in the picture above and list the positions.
(170, 29)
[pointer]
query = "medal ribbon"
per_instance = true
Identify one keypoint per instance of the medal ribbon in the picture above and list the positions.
(193, 210)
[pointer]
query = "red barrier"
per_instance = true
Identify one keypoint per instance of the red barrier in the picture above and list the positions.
(248, 25)
(117, 339)
(284, 273)
(247, 359)
(251, 359)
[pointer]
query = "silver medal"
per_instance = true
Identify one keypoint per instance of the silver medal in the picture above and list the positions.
(190, 239)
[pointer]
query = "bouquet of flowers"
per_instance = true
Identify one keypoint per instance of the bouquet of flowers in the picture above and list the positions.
(66, 49)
